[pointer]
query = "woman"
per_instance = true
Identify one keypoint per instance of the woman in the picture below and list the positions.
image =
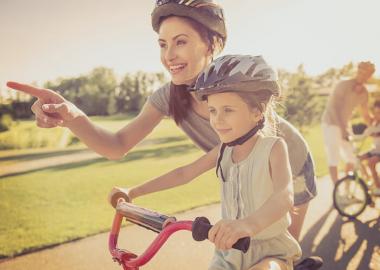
(190, 33)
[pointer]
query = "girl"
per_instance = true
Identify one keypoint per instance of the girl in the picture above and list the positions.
(190, 34)
(252, 165)
(254, 169)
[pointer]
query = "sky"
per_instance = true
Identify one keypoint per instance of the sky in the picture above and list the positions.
(42, 40)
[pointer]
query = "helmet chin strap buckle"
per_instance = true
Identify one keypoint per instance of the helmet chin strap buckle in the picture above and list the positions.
(238, 141)
(248, 135)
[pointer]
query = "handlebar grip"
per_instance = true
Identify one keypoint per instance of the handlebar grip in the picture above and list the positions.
(144, 217)
(201, 227)
(115, 197)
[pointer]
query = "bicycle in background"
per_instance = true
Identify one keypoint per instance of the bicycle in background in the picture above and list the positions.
(354, 192)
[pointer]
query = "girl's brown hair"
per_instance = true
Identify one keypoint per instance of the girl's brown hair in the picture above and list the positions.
(264, 101)
(180, 97)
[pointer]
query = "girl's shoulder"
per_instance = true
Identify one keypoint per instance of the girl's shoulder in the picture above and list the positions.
(273, 143)
(267, 143)
(271, 139)
(277, 148)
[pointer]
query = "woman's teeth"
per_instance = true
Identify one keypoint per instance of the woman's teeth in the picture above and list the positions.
(176, 68)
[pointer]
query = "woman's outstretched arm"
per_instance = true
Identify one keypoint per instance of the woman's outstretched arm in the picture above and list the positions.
(52, 110)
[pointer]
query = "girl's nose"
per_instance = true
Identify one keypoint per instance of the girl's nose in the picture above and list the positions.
(219, 118)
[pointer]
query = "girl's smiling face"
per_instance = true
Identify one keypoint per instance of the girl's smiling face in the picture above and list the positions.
(183, 52)
(230, 116)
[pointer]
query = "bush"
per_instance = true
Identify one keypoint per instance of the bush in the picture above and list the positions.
(25, 134)
(5, 122)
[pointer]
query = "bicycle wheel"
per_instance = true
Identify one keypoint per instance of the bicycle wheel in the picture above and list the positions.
(350, 196)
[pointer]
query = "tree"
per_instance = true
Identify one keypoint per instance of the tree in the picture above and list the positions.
(301, 105)
(135, 88)
(91, 93)
(332, 76)
(95, 95)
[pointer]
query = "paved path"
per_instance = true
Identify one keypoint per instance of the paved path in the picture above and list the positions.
(57, 159)
(344, 245)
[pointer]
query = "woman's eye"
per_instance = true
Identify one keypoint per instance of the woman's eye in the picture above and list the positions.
(162, 45)
(227, 110)
(181, 42)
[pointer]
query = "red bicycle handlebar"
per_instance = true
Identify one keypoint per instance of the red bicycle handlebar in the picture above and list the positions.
(166, 226)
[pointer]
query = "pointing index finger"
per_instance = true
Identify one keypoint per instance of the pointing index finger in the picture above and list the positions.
(32, 90)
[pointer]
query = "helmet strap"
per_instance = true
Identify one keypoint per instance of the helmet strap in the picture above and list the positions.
(238, 141)
(248, 135)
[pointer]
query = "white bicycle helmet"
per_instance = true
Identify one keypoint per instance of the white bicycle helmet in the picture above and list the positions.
(243, 73)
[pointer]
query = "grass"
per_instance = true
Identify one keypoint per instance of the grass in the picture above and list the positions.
(68, 202)
(24, 135)
(313, 136)
(62, 203)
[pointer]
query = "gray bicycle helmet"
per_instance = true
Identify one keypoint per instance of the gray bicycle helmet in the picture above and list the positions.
(244, 73)
(206, 12)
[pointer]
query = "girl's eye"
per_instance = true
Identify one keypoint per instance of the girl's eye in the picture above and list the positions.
(227, 110)
(212, 111)
(162, 45)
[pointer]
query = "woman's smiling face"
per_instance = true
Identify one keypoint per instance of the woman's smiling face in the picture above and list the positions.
(183, 52)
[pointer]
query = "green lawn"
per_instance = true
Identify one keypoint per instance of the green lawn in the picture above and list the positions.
(314, 138)
(68, 202)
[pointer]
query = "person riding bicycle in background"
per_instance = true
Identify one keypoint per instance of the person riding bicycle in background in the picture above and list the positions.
(373, 156)
(190, 34)
(347, 95)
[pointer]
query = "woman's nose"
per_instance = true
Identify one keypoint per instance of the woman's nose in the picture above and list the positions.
(170, 54)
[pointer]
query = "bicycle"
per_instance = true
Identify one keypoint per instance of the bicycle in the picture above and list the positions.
(164, 225)
(353, 192)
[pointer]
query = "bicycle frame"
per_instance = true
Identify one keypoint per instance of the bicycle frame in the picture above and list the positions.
(131, 261)
(357, 144)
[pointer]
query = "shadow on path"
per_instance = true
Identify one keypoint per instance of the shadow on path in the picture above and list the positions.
(345, 244)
